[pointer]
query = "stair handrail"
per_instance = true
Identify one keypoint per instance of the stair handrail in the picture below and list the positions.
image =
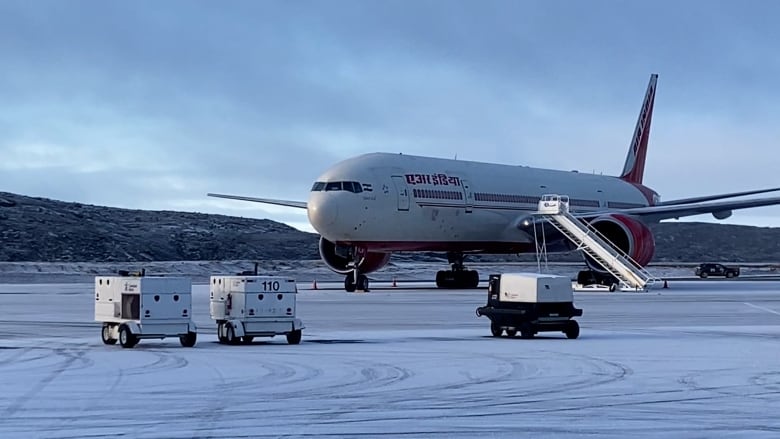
(554, 204)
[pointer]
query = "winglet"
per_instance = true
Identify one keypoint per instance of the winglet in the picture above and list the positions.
(634, 169)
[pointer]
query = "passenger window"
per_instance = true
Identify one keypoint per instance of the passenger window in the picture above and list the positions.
(333, 186)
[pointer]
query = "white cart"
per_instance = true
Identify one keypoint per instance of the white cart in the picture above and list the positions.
(530, 303)
(246, 307)
(132, 308)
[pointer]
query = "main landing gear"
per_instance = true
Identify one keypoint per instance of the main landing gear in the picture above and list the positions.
(458, 277)
(591, 277)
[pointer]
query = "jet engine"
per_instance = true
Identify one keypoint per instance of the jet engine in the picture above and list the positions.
(337, 258)
(628, 234)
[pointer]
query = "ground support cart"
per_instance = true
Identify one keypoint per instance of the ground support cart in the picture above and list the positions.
(530, 303)
(245, 307)
(132, 308)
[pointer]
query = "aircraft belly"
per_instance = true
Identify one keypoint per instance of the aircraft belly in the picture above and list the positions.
(440, 224)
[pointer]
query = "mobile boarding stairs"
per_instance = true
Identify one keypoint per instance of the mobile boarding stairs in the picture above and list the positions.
(555, 209)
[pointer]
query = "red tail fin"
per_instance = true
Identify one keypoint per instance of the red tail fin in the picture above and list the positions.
(634, 169)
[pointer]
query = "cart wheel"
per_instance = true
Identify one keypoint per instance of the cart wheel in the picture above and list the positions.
(294, 337)
(188, 340)
(230, 337)
(126, 338)
(105, 334)
(613, 288)
(220, 337)
(496, 330)
(247, 339)
(572, 330)
(511, 332)
(526, 331)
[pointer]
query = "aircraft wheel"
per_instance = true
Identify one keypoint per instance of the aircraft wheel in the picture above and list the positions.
(496, 330)
(362, 282)
(448, 279)
(349, 283)
(473, 278)
(440, 279)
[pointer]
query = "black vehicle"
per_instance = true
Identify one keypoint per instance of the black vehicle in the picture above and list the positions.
(705, 270)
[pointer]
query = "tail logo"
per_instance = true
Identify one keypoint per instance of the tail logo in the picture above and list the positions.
(634, 167)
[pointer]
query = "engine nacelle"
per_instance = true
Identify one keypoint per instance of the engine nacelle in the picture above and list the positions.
(721, 215)
(338, 257)
(628, 234)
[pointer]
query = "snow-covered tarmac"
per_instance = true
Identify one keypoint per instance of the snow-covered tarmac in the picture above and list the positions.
(701, 359)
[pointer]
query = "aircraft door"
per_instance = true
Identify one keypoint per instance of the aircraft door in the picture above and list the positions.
(468, 195)
(403, 192)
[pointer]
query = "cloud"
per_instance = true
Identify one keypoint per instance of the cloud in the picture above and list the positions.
(163, 102)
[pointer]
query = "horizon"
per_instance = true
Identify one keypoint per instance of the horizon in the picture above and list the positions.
(718, 222)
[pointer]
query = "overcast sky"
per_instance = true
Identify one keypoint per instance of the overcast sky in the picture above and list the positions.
(151, 104)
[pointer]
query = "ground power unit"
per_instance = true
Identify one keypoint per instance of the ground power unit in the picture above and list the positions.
(530, 303)
(245, 307)
(132, 308)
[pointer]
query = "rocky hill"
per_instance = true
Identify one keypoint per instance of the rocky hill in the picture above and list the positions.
(43, 230)
(39, 229)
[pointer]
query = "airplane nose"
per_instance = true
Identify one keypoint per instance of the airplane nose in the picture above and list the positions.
(323, 211)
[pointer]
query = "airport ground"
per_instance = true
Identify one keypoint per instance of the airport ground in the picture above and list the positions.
(700, 359)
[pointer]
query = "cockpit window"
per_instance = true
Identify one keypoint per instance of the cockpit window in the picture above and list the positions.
(333, 186)
(351, 186)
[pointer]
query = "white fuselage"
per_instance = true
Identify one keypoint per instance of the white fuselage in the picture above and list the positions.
(395, 202)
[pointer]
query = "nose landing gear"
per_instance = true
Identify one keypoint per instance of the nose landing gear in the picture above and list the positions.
(355, 281)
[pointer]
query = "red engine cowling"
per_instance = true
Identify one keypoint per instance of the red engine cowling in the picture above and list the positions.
(337, 258)
(628, 234)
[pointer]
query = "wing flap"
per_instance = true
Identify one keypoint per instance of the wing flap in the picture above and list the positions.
(658, 213)
(717, 197)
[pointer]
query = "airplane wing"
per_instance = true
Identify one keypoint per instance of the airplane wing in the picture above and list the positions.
(288, 203)
(716, 197)
(662, 212)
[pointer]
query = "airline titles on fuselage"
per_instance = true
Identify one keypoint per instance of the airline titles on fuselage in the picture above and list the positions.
(434, 179)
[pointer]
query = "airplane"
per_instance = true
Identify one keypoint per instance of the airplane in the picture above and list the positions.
(367, 207)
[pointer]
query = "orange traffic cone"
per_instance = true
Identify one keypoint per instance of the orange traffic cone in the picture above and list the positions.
(394, 284)
(314, 285)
